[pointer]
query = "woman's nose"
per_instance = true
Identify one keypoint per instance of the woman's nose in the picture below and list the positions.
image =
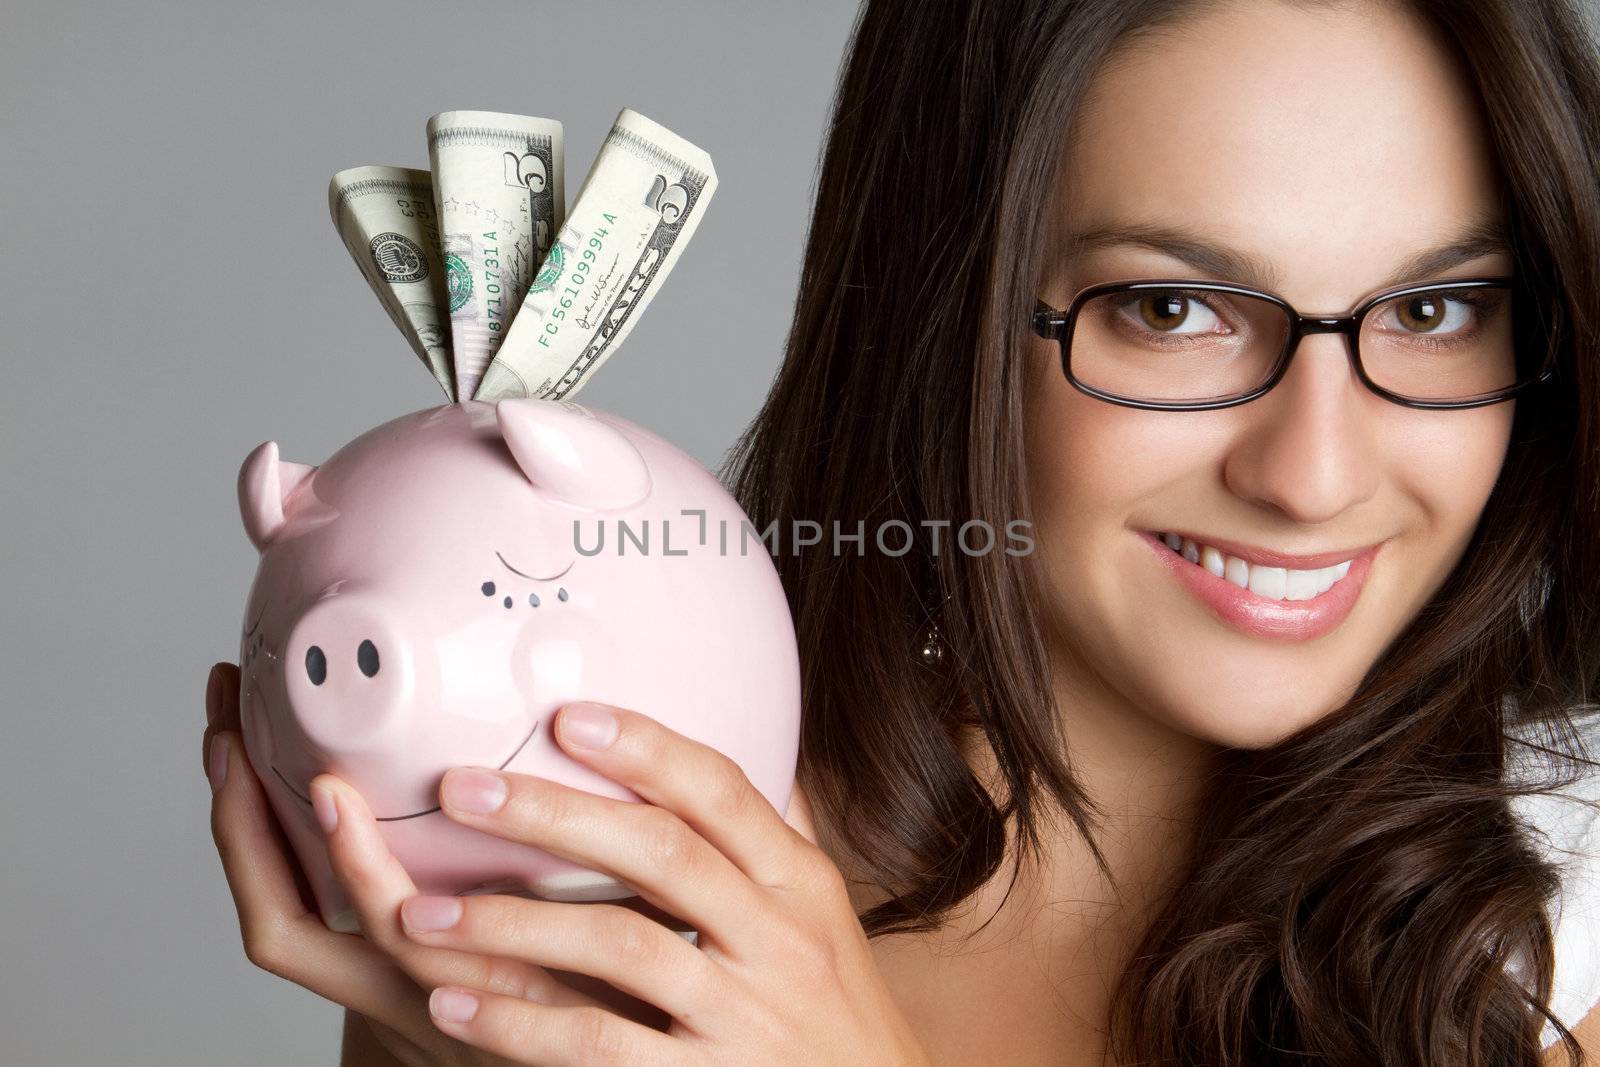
(1309, 447)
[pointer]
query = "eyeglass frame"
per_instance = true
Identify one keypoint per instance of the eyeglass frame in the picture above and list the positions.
(1057, 326)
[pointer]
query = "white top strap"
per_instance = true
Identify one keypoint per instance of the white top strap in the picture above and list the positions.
(1567, 832)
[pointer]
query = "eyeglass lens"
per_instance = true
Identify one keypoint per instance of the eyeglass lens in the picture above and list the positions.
(1182, 344)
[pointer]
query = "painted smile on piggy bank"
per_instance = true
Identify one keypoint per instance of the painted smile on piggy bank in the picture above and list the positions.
(416, 814)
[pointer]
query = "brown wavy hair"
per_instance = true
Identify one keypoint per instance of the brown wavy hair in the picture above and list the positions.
(1360, 893)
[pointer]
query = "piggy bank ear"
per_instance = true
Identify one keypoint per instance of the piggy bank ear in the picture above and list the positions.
(265, 482)
(572, 455)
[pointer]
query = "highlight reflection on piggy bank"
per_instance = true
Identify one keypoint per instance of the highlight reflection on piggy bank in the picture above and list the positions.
(433, 593)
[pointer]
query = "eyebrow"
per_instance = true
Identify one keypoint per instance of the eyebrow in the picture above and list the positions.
(1483, 237)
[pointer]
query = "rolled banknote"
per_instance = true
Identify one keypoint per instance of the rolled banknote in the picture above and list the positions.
(635, 211)
(498, 186)
(385, 217)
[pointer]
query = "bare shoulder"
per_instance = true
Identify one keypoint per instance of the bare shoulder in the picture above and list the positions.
(1587, 1033)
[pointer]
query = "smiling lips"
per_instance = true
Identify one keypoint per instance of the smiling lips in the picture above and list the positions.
(1251, 590)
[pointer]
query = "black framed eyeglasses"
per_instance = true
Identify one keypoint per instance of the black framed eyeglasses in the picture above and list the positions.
(1178, 345)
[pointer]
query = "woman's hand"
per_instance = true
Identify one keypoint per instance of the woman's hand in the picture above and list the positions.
(283, 932)
(782, 972)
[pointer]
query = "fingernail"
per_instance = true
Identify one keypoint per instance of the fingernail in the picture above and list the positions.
(217, 762)
(425, 914)
(213, 694)
(588, 725)
(326, 807)
(452, 1005)
(474, 790)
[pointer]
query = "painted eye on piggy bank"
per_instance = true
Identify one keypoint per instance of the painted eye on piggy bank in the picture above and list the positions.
(368, 653)
(490, 589)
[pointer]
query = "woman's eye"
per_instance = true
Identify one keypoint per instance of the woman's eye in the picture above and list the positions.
(1427, 313)
(1174, 313)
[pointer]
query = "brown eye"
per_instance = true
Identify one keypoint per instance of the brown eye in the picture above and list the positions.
(1163, 312)
(1422, 313)
(1173, 312)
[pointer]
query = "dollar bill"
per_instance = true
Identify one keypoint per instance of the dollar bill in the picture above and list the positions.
(385, 217)
(498, 185)
(636, 210)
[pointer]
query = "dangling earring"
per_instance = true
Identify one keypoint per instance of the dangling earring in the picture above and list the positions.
(931, 650)
(930, 642)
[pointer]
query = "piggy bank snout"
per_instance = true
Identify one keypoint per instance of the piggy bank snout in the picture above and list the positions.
(349, 672)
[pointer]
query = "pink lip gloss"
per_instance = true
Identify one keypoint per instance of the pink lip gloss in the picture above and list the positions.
(1258, 616)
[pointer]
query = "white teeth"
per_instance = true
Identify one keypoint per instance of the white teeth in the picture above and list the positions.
(1275, 583)
(1301, 585)
(1270, 582)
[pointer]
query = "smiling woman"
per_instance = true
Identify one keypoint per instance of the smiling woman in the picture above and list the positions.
(1280, 322)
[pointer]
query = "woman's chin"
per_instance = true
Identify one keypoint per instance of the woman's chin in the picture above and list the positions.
(1248, 717)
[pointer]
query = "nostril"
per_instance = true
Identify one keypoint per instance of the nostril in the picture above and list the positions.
(367, 658)
(316, 665)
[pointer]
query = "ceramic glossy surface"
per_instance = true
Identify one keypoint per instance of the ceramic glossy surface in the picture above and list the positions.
(432, 594)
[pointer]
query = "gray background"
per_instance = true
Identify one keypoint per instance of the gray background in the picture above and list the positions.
(173, 294)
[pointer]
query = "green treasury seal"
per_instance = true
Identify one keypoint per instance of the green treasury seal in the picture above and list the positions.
(399, 257)
(458, 280)
(550, 273)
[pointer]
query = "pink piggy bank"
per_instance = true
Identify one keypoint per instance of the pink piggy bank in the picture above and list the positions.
(435, 591)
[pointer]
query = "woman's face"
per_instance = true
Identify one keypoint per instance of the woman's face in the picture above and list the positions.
(1329, 149)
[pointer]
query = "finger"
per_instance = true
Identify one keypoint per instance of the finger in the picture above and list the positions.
(213, 693)
(701, 785)
(551, 1037)
(634, 953)
(280, 933)
(228, 713)
(648, 848)
(377, 884)
(222, 694)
